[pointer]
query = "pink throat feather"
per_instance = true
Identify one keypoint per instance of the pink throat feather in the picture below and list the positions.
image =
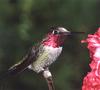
(53, 40)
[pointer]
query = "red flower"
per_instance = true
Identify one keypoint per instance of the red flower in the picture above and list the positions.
(92, 80)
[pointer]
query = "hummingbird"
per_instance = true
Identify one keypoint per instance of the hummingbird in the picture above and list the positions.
(42, 55)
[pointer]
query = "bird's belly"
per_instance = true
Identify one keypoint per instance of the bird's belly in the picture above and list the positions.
(46, 58)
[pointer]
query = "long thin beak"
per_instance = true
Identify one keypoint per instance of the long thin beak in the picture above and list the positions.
(74, 33)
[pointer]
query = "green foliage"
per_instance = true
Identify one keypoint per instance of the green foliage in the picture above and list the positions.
(23, 22)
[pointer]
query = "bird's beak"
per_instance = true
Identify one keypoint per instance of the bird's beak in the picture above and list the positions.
(73, 33)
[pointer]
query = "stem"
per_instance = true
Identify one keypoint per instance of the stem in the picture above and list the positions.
(50, 83)
(48, 76)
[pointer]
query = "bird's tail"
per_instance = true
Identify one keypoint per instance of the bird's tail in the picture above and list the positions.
(6, 75)
(5, 79)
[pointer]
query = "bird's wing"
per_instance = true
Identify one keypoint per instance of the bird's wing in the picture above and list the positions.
(19, 67)
(27, 60)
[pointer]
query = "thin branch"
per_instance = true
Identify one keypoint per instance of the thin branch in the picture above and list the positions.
(50, 83)
(48, 76)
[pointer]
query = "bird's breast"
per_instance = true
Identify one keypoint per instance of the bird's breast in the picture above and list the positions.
(47, 55)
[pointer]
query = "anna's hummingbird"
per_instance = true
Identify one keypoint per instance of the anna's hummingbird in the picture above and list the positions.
(42, 55)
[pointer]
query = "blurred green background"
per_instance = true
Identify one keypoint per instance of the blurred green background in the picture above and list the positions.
(24, 22)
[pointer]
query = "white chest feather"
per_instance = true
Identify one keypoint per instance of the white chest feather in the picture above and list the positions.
(46, 57)
(53, 53)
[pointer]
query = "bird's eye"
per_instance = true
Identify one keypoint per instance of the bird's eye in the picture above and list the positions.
(55, 32)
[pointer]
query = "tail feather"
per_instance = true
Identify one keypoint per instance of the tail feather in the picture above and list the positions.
(5, 75)
(12, 72)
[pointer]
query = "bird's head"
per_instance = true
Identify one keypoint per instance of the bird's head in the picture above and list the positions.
(56, 36)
